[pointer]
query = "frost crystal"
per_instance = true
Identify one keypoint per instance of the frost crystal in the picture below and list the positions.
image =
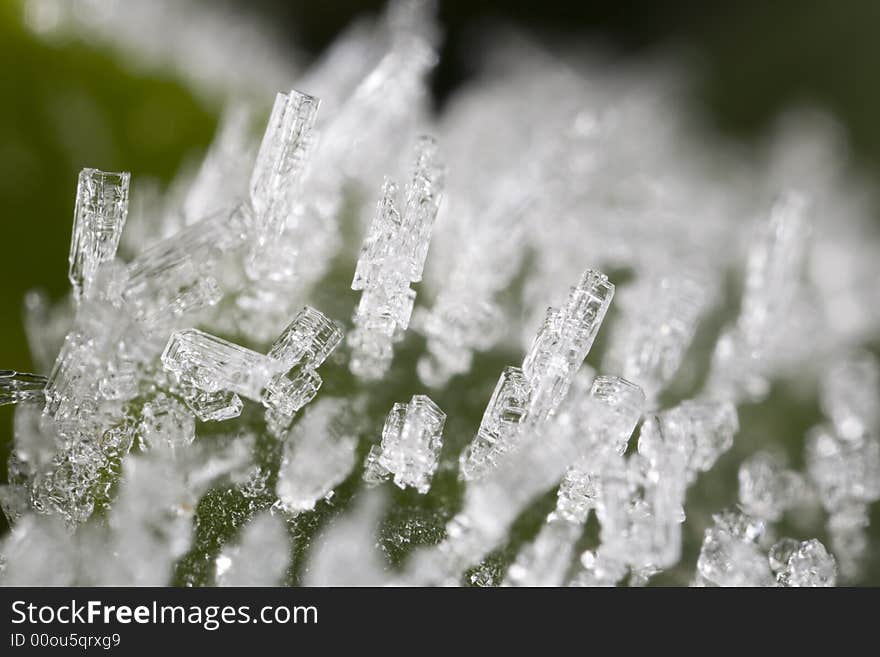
(392, 257)
(410, 447)
(196, 305)
(285, 380)
(660, 321)
(279, 166)
(534, 392)
(98, 219)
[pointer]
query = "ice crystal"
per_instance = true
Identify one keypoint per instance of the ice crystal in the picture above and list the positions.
(172, 431)
(392, 257)
(98, 219)
(410, 447)
(534, 392)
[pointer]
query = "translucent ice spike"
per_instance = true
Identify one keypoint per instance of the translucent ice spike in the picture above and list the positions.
(618, 409)
(500, 426)
(563, 342)
(16, 387)
(393, 256)
(411, 442)
(98, 220)
(212, 364)
(278, 168)
(282, 155)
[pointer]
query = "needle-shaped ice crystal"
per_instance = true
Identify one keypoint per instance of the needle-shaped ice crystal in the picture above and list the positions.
(500, 426)
(280, 163)
(98, 220)
(178, 275)
(564, 341)
(410, 447)
(16, 387)
(392, 257)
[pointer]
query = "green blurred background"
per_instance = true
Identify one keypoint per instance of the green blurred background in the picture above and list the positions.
(65, 105)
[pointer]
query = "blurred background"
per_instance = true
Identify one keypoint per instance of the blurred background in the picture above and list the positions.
(80, 89)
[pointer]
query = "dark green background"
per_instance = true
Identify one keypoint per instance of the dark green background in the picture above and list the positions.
(65, 105)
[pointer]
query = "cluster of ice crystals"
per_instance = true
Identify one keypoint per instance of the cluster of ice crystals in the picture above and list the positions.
(733, 554)
(534, 392)
(410, 448)
(218, 371)
(202, 296)
(392, 257)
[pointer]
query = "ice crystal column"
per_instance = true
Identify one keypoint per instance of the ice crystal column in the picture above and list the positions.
(534, 392)
(285, 380)
(98, 219)
(392, 257)
(410, 448)
(278, 168)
